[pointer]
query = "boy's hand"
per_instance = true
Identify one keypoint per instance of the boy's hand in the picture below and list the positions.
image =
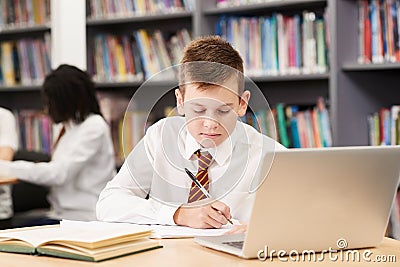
(237, 229)
(195, 215)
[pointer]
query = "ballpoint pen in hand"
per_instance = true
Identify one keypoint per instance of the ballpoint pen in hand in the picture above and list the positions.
(202, 189)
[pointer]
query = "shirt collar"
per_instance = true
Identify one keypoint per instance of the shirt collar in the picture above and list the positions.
(191, 145)
(220, 154)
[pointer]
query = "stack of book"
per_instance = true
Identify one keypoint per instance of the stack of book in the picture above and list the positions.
(81, 241)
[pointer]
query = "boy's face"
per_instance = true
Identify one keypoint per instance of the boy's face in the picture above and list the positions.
(211, 113)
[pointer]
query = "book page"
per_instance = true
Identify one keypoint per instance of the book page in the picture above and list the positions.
(78, 233)
(159, 231)
(34, 236)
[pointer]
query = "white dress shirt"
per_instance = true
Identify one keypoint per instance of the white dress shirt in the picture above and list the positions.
(155, 168)
(8, 138)
(81, 165)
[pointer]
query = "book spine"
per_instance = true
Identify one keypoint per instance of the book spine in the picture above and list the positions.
(282, 125)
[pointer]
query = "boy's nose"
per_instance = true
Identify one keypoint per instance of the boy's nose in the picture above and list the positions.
(210, 123)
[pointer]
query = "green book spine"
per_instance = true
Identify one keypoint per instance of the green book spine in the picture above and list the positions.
(18, 249)
(68, 255)
(280, 114)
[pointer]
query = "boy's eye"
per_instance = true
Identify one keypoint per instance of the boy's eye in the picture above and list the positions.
(223, 111)
(199, 111)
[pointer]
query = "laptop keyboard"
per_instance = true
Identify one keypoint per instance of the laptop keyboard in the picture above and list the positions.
(236, 244)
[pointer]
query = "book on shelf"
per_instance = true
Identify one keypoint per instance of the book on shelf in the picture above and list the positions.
(24, 61)
(232, 3)
(127, 58)
(122, 8)
(278, 44)
(35, 131)
(127, 126)
(378, 31)
(296, 125)
(384, 126)
(22, 13)
(96, 243)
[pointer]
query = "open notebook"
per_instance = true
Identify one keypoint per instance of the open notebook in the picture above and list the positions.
(96, 243)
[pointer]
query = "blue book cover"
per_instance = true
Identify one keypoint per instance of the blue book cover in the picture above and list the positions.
(264, 47)
(297, 32)
(106, 62)
(374, 31)
(294, 127)
(274, 42)
(384, 24)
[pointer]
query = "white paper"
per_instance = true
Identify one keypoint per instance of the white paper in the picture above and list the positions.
(174, 231)
(159, 231)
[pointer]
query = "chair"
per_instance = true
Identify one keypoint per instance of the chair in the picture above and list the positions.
(29, 199)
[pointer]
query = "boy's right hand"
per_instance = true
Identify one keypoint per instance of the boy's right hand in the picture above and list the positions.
(195, 215)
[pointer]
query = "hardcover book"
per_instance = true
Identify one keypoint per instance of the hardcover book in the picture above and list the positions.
(88, 243)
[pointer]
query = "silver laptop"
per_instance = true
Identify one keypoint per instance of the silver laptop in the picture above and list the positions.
(319, 199)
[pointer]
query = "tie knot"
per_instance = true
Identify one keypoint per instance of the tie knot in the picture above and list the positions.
(205, 159)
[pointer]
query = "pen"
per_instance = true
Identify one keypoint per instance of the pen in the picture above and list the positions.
(202, 189)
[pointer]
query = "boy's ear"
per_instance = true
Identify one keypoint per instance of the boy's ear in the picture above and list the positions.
(179, 101)
(243, 103)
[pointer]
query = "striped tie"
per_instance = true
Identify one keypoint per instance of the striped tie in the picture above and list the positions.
(205, 159)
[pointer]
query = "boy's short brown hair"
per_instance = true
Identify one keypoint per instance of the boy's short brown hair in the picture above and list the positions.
(196, 67)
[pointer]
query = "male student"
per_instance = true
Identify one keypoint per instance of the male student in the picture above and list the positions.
(152, 186)
(8, 145)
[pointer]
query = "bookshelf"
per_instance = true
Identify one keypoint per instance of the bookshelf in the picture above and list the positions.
(24, 25)
(351, 88)
(25, 44)
(359, 89)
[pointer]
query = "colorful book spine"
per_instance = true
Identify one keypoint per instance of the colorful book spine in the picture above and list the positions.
(293, 125)
(35, 131)
(123, 8)
(278, 44)
(378, 31)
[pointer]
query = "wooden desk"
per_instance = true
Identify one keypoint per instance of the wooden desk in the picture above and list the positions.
(4, 180)
(184, 252)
